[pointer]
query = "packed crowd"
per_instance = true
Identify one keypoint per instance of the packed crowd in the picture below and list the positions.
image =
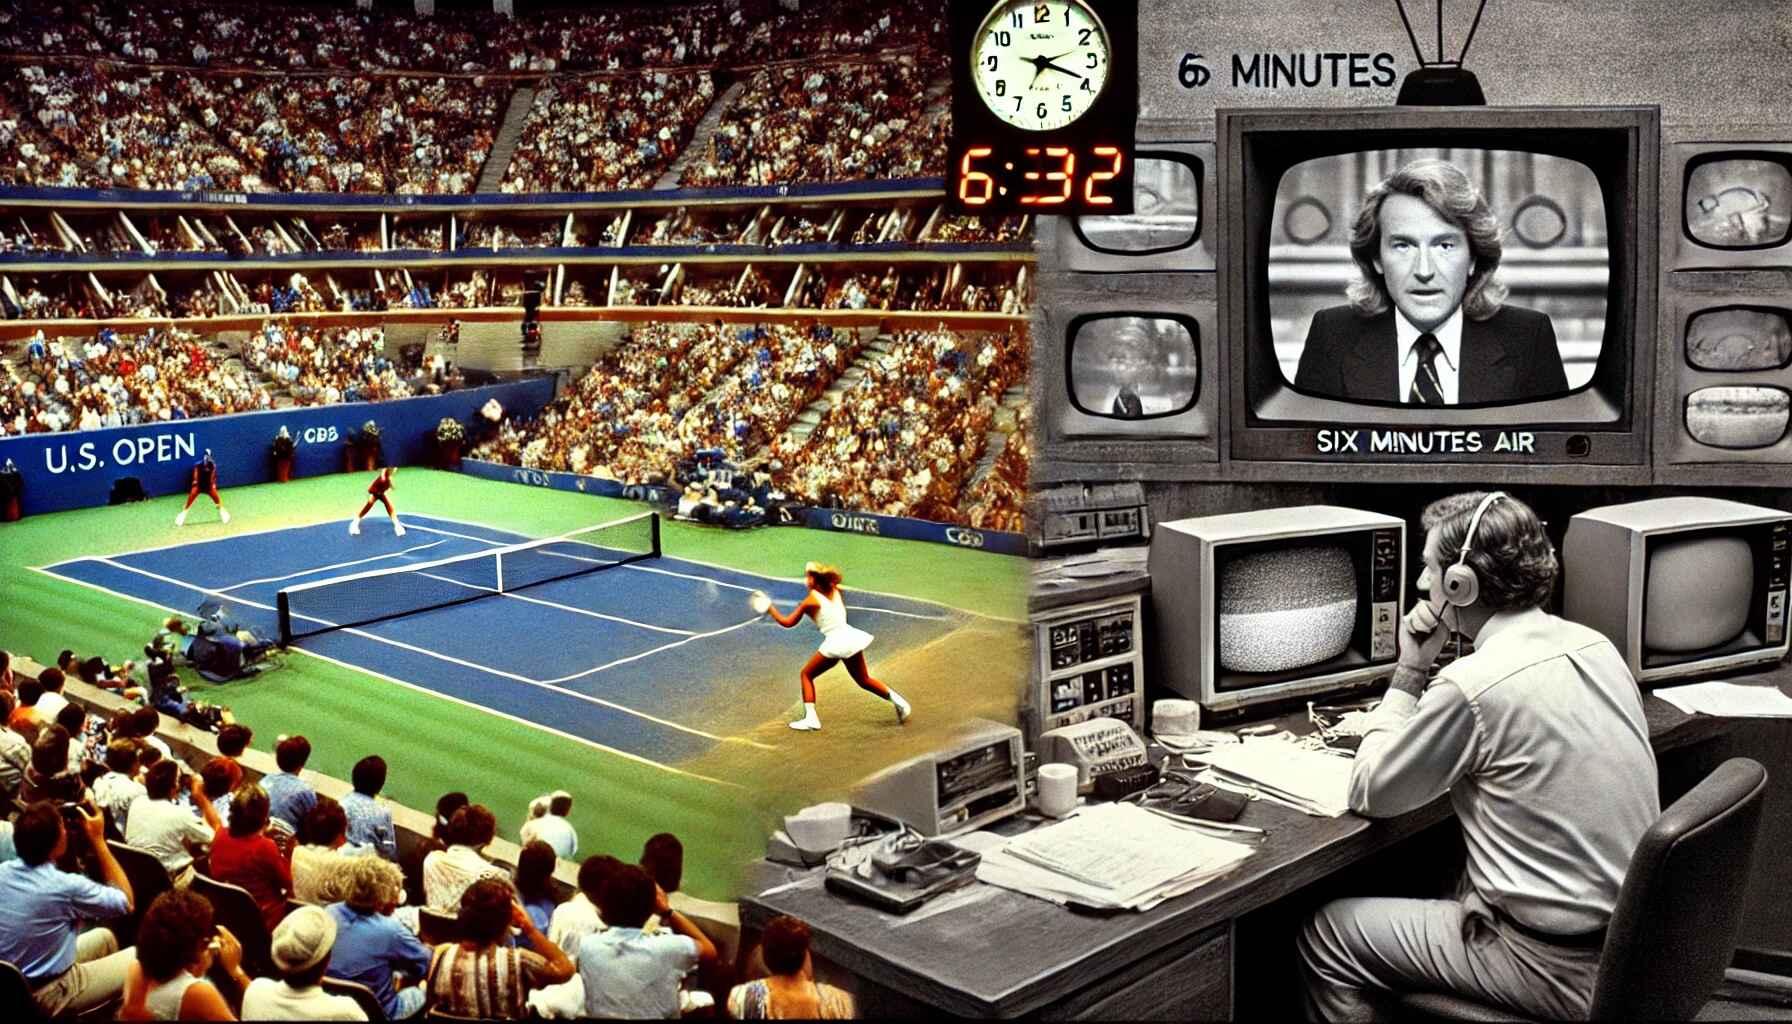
(323, 366)
(120, 379)
(998, 500)
(902, 439)
(671, 390)
(309, 38)
(327, 893)
(976, 228)
(830, 122)
(600, 133)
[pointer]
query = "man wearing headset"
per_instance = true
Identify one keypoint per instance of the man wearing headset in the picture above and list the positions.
(1539, 738)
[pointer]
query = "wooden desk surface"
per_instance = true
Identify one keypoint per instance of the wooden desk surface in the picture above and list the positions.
(1008, 954)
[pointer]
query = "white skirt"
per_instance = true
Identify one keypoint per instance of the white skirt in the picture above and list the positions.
(844, 642)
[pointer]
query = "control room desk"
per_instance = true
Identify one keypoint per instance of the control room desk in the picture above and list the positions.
(1010, 955)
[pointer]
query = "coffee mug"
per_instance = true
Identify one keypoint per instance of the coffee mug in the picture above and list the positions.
(1057, 789)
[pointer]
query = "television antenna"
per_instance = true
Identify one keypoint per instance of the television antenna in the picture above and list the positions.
(1442, 82)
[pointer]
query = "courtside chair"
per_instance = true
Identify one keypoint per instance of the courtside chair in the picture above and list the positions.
(361, 994)
(235, 909)
(1674, 929)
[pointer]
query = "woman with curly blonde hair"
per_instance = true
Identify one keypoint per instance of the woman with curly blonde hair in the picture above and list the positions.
(840, 642)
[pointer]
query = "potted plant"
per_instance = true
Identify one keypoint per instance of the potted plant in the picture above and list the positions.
(450, 436)
(283, 454)
(370, 445)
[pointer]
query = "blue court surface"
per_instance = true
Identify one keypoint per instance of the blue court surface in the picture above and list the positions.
(633, 658)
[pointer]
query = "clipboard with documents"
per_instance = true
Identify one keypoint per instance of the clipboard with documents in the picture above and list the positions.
(1308, 780)
(1110, 857)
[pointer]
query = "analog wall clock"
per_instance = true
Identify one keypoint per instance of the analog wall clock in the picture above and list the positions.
(1041, 66)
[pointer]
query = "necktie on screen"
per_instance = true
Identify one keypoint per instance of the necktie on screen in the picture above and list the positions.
(1427, 389)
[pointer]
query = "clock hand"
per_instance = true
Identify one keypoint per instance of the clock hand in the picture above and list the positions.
(1049, 62)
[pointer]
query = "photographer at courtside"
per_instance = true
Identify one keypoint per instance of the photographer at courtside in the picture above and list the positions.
(1539, 738)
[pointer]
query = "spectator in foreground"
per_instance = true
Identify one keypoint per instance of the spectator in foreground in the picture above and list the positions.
(628, 971)
(300, 951)
(67, 969)
(243, 854)
(290, 797)
(168, 830)
(571, 922)
(547, 822)
(369, 821)
(318, 865)
(372, 947)
(15, 750)
(448, 873)
(115, 790)
(167, 981)
(479, 976)
(534, 878)
(233, 739)
(790, 991)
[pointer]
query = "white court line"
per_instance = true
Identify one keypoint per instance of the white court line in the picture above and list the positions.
(562, 607)
(338, 565)
(656, 650)
(409, 686)
(447, 658)
(763, 576)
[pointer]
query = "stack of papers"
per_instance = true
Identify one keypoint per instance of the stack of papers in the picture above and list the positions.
(1307, 780)
(1110, 857)
(1728, 700)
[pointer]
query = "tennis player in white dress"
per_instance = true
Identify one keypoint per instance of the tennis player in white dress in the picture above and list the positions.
(840, 642)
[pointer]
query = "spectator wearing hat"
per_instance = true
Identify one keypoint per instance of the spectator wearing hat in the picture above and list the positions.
(547, 822)
(300, 951)
(372, 947)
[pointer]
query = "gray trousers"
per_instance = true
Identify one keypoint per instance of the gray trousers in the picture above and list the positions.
(1355, 952)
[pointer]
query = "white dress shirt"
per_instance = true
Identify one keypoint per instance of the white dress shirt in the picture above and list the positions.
(449, 873)
(1449, 365)
(1539, 738)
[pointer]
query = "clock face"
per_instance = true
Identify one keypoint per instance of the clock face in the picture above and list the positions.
(1040, 66)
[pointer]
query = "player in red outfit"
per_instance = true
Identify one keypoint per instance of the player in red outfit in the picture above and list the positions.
(377, 492)
(204, 479)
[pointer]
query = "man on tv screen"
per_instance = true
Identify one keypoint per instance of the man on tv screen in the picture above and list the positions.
(1426, 324)
(1539, 738)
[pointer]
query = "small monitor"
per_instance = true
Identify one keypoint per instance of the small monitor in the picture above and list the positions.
(1725, 389)
(1683, 586)
(1168, 229)
(1133, 367)
(1261, 606)
(1729, 202)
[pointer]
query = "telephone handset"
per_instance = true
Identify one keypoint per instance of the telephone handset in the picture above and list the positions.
(1098, 746)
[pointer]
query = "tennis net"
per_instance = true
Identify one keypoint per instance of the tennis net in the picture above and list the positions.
(363, 598)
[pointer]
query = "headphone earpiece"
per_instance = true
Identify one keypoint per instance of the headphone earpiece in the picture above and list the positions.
(1461, 586)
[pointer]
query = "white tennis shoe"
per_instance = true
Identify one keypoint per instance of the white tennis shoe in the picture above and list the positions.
(223, 514)
(354, 528)
(181, 519)
(398, 529)
(809, 722)
(902, 708)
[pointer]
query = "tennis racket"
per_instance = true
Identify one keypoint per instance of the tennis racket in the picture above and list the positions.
(759, 601)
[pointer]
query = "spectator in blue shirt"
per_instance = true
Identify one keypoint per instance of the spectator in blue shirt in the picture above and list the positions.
(629, 972)
(42, 908)
(369, 821)
(533, 878)
(290, 797)
(372, 947)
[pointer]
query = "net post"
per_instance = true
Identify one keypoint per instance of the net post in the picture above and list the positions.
(498, 559)
(285, 619)
(656, 533)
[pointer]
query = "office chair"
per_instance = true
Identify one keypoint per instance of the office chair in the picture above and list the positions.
(1674, 929)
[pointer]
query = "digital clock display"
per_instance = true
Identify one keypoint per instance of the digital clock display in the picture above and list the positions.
(1046, 178)
(1044, 105)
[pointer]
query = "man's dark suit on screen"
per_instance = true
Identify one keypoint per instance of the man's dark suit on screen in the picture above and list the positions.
(1510, 356)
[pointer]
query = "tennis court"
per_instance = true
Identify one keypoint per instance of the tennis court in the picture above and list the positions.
(596, 635)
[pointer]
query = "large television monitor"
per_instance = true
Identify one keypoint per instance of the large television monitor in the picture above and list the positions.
(1261, 606)
(1446, 293)
(1126, 378)
(1683, 586)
